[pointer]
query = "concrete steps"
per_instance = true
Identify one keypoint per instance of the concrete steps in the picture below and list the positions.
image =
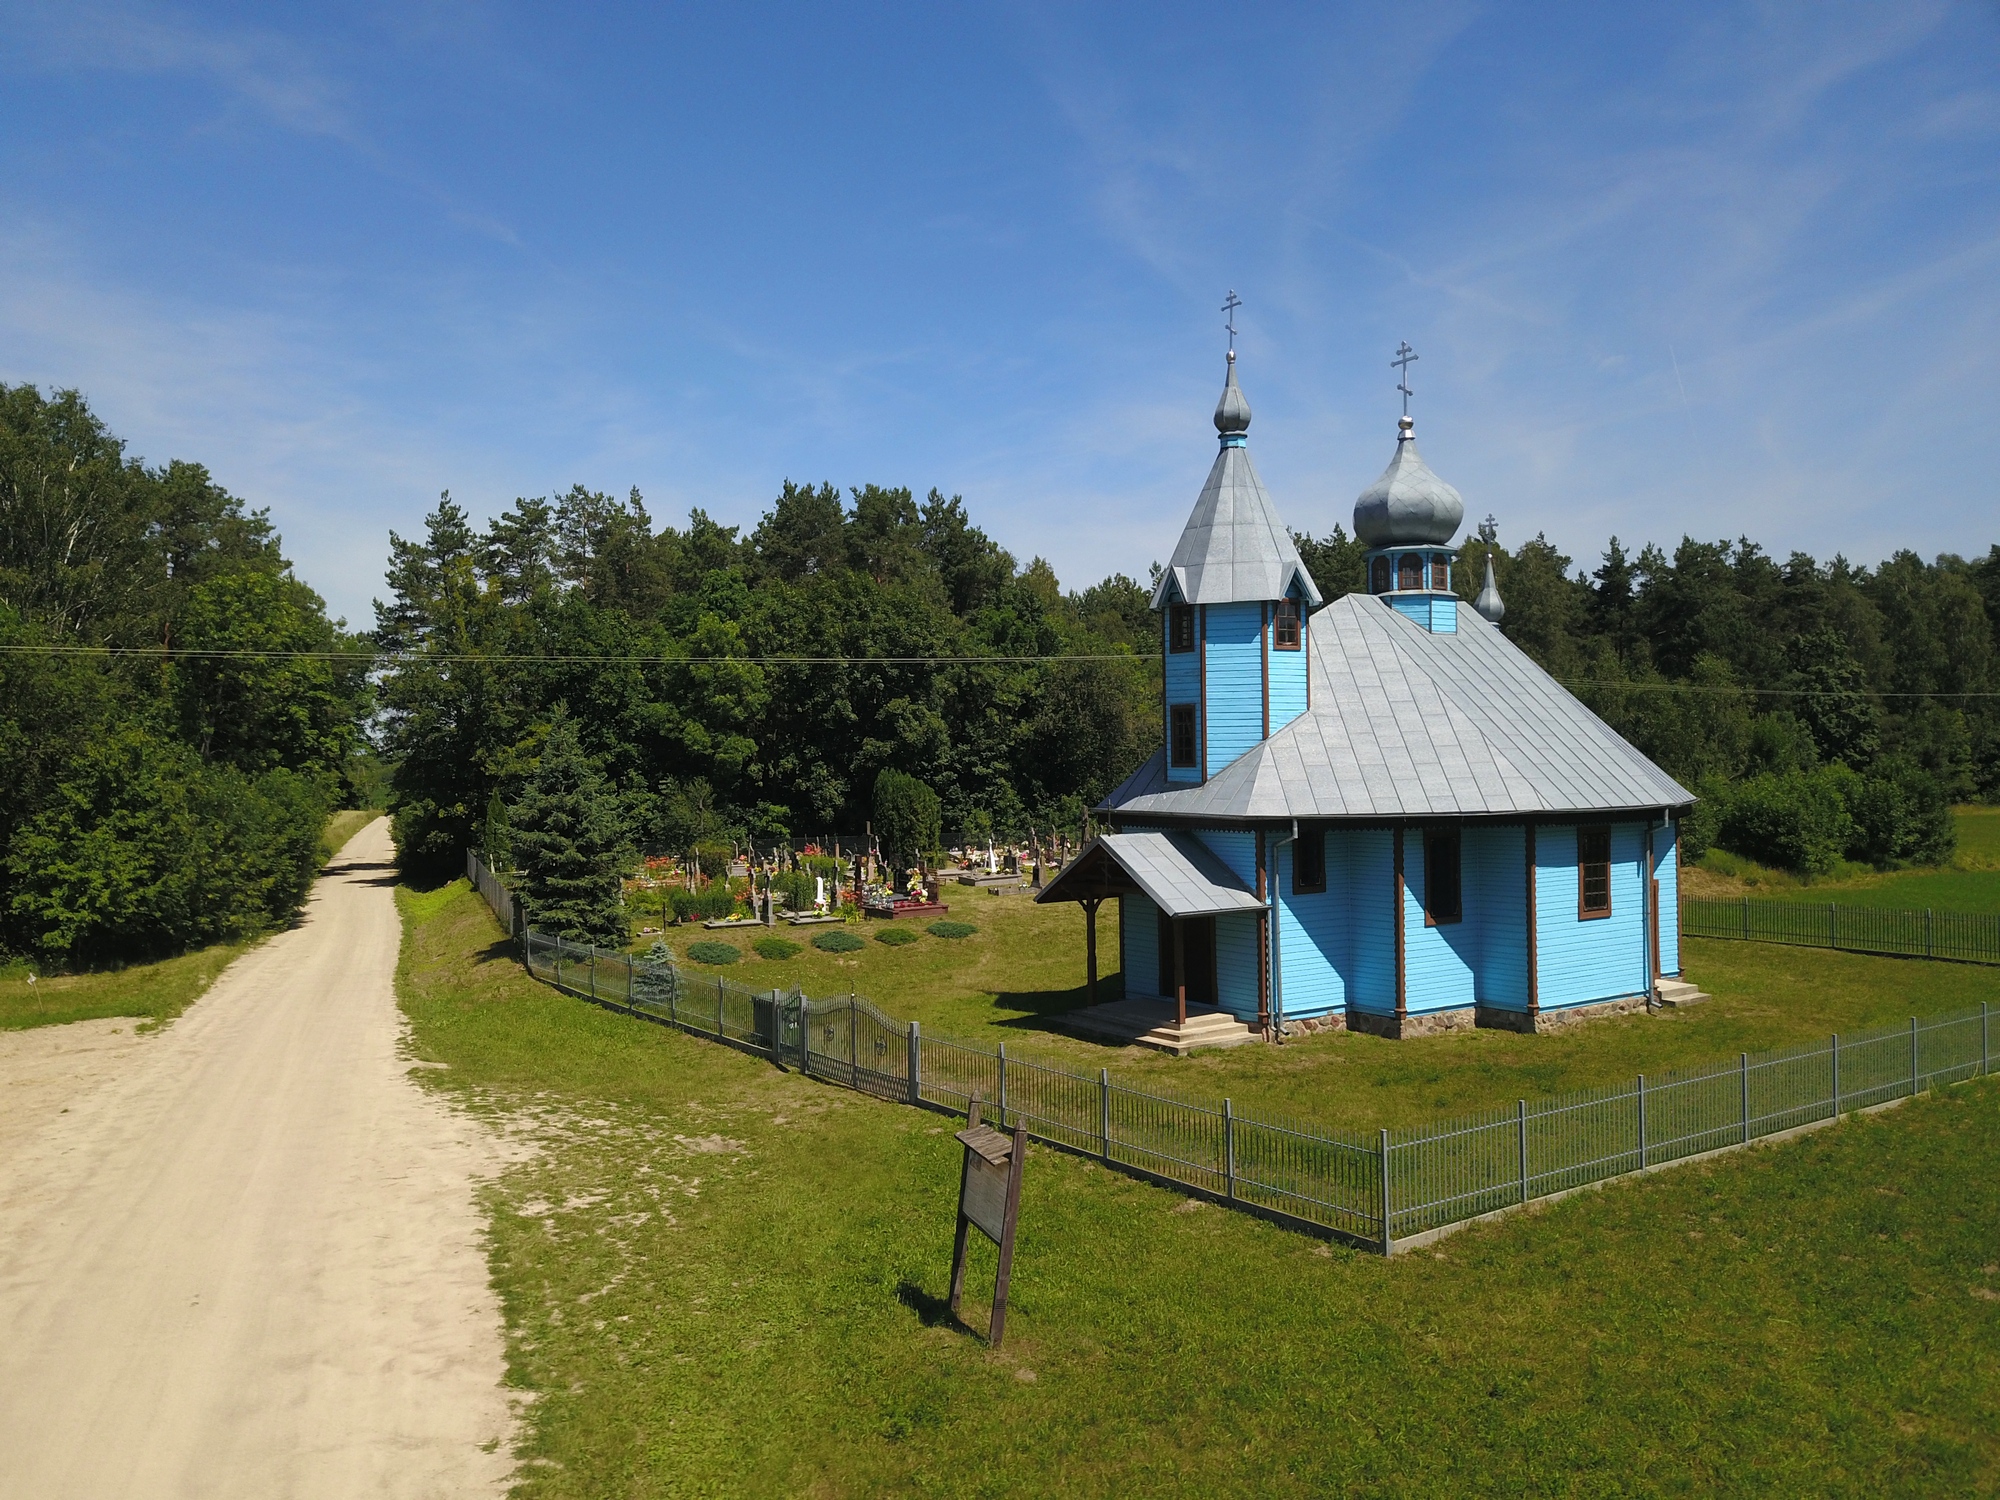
(1675, 993)
(1154, 1023)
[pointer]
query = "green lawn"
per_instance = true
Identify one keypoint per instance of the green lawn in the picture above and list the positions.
(1970, 883)
(158, 992)
(1026, 962)
(723, 1279)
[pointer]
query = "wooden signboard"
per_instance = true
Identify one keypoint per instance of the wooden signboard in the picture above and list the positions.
(989, 1196)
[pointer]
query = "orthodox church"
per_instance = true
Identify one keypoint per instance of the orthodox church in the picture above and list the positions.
(1375, 813)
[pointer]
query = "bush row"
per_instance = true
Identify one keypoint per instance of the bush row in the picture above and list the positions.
(1808, 821)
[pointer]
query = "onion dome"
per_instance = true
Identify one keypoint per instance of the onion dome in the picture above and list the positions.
(1408, 504)
(1232, 412)
(1488, 603)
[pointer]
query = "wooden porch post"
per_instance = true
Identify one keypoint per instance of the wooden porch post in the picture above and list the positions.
(1180, 972)
(1090, 946)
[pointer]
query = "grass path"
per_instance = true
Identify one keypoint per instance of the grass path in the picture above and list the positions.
(719, 1278)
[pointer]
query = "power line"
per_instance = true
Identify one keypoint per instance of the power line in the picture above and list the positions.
(395, 659)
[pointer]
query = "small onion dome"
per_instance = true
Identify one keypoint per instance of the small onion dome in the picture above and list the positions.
(1488, 603)
(1408, 504)
(1232, 412)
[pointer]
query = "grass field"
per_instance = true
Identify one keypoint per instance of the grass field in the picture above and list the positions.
(723, 1279)
(1970, 883)
(157, 991)
(1026, 962)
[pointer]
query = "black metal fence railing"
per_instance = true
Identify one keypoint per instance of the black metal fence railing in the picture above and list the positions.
(1968, 936)
(1383, 1191)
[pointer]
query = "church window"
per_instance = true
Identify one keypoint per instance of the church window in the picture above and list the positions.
(1180, 621)
(1440, 572)
(1593, 871)
(1443, 882)
(1285, 626)
(1183, 745)
(1309, 862)
(1378, 576)
(1410, 571)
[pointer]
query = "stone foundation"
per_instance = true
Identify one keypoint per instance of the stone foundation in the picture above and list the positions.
(1558, 1020)
(1422, 1023)
(1315, 1025)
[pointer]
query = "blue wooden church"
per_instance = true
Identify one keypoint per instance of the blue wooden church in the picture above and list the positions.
(1375, 813)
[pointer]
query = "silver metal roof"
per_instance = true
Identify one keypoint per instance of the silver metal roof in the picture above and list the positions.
(1406, 723)
(1408, 503)
(1175, 870)
(1234, 548)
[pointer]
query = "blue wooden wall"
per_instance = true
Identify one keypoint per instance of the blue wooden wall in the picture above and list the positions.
(1236, 964)
(1604, 957)
(1361, 876)
(1235, 681)
(1312, 936)
(1288, 679)
(1494, 859)
(1183, 685)
(1437, 961)
(1667, 868)
(1139, 945)
(1434, 613)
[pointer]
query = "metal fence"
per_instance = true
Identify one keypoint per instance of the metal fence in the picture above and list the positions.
(1381, 1191)
(1971, 937)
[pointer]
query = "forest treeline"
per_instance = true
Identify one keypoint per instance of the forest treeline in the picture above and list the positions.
(154, 797)
(1824, 710)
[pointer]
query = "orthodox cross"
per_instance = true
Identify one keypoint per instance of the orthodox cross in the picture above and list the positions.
(1405, 357)
(1229, 306)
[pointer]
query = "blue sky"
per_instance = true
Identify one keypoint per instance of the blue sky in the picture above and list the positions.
(1707, 269)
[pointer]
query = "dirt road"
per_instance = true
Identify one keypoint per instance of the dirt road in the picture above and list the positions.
(243, 1257)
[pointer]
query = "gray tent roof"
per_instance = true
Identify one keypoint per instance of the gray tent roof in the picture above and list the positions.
(1406, 723)
(1234, 549)
(1176, 871)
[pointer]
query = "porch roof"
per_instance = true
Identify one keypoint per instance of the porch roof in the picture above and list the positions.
(1174, 871)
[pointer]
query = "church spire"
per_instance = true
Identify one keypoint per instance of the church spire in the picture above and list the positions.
(1232, 412)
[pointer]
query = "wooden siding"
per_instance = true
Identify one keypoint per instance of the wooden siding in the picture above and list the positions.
(1234, 712)
(1437, 615)
(1288, 680)
(1236, 848)
(1360, 876)
(1236, 964)
(1666, 862)
(1139, 929)
(1310, 936)
(1496, 904)
(1437, 960)
(1183, 679)
(1603, 957)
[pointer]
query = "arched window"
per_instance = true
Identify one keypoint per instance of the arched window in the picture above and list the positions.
(1441, 573)
(1378, 576)
(1410, 571)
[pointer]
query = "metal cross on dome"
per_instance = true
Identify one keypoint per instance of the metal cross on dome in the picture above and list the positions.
(1229, 306)
(1405, 357)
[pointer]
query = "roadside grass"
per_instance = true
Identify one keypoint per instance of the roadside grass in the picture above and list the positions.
(342, 826)
(720, 1278)
(1026, 963)
(158, 992)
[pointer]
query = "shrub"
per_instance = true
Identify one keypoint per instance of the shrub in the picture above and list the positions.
(823, 864)
(906, 817)
(838, 941)
(715, 903)
(1900, 814)
(712, 858)
(775, 948)
(683, 902)
(895, 937)
(795, 888)
(1797, 821)
(951, 929)
(714, 953)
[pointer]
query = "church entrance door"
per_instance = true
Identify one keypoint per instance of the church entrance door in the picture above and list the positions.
(1197, 939)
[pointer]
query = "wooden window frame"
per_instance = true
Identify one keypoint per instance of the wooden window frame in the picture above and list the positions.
(1440, 573)
(1408, 565)
(1584, 911)
(1314, 838)
(1180, 641)
(1381, 576)
(1174, 720)
(1288, 614)
(1434, 840)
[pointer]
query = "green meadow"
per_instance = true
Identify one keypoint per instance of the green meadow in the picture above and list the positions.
(720, 1278)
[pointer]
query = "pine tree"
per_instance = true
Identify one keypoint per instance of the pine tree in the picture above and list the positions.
(569, 840)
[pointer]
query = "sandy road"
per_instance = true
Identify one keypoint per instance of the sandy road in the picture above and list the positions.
(245, 1259)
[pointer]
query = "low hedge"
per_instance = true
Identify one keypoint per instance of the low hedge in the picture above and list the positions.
(775, 948)
(951, 929)
(838, 941)
(895, 937)
(714, 953)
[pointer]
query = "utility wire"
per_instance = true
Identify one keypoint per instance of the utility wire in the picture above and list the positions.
(394, 659)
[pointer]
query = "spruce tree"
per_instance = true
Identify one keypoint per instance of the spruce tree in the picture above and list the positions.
(569, 840)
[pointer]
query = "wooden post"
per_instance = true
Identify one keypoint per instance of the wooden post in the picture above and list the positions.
(996, 1328)
(964, 1224)
(1180, 973)
(1402, 957)
(1090, 950)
